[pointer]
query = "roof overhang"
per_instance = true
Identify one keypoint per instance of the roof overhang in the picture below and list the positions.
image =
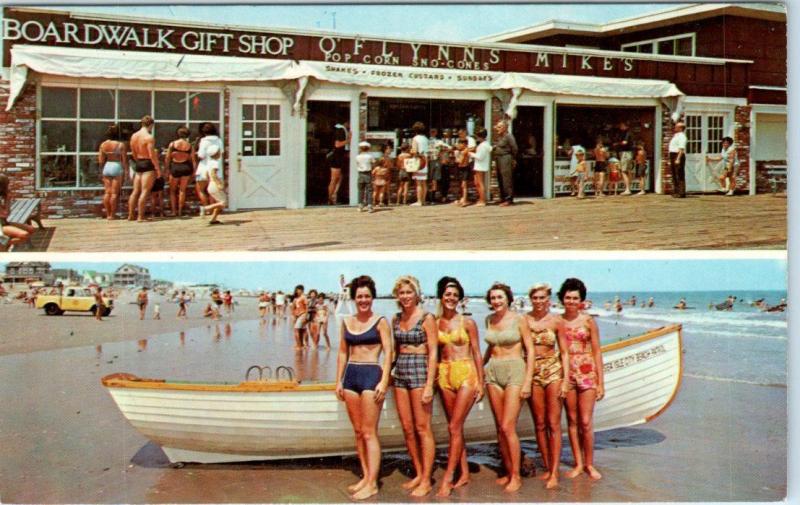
(672, 16)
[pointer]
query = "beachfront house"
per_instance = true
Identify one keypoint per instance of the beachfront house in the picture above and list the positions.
(128, 276)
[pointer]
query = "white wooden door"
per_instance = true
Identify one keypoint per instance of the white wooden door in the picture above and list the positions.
(704, 132)
(259, 162)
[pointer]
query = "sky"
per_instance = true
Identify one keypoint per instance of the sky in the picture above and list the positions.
(451, 22)
(477, 275)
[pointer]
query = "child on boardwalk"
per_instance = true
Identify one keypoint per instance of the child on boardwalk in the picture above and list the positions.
(381, 176)
(640, 166)
(581, 170)
(600, 167)
(614, 175)
(364, 162)
(462, 161)
(402, 175)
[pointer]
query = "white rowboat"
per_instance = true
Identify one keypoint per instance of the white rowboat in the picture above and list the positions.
(262, 420)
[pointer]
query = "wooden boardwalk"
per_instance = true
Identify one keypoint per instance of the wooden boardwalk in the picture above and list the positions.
(613, 223)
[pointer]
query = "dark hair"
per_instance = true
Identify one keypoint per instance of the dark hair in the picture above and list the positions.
(208, 129)
(572, 284)
(321, 296)
(481, 132)
(312, 291)
(112, 133)
(300, 287)
(418, 127)
(362, 281)
(449, 282)
(388, 145)
(4, 183)
(404, 147)
(730, 140)
(502, 287)
(147, 120)
(182, 132)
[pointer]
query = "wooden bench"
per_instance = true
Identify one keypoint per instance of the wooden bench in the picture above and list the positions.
(26, 210)
(776, 175)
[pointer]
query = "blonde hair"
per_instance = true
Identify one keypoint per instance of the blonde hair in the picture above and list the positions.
(407, 280)
(539, 287)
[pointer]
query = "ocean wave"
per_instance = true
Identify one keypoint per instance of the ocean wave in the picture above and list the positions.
(751, 320)
(735, 381)
(693, 330)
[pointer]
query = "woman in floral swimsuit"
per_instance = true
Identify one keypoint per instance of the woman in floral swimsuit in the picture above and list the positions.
(545, 400)
(579, 341)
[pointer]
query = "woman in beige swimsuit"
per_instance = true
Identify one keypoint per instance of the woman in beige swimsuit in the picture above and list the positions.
(508, 362)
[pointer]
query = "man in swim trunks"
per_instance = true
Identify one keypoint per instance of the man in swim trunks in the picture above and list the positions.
(146, 168)
(300, 315)
(141, 301)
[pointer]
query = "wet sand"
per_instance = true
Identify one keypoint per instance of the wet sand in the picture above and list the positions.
(65, 441)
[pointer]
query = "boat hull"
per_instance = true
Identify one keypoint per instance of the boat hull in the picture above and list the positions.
(215, 423)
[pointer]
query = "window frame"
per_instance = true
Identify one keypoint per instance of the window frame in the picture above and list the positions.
(655, 42)
(77, 119)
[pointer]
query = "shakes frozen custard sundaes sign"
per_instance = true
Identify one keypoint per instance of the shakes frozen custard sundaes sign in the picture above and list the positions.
(53, 29)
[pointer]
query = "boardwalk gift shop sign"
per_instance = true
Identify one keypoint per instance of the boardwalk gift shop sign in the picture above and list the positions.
(65, 30)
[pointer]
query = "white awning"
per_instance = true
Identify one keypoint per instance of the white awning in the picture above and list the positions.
(88, 63)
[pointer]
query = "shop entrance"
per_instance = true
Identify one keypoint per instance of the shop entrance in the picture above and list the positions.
(585, 125)
(704, 134)
(529, 132)
(321, 120)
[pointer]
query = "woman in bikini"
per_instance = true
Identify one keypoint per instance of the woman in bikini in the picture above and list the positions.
(180, 161)
(414, 373)
(509, 361)
(460, 376)
(579, 341)
(545, 400)
(113, 157)
(361, 382)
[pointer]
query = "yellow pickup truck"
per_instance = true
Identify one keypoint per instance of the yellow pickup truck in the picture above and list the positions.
(73, 299)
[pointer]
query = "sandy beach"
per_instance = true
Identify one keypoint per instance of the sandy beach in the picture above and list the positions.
(65, 441)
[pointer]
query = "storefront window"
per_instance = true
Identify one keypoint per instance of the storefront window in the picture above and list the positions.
(399, 114)
(261, 130)
(74, 121)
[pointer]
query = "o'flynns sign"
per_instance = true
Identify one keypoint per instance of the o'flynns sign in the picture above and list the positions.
(54, 29)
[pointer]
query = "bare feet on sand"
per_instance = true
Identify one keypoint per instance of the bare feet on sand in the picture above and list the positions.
(352, 488)
(365, 492)
(513, 485)
(412, 483)
(552, 482)
(502, 481)
(423, 489)
(445, 489)
(575, 472)
(593, 473)
(462, 481)
(544, 476)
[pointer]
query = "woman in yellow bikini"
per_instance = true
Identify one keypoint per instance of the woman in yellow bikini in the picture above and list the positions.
(460, 376)
(509, 372)
(579, 341)
(545, 400)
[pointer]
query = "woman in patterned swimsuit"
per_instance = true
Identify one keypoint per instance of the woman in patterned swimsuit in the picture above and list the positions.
(509, 374)
(414, 373)
(545, 400)
(460, 376)
(579, 341)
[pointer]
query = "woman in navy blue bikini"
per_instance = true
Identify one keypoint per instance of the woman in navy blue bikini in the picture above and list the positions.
(361, 382)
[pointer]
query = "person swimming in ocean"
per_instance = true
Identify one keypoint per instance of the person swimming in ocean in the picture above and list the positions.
(681, 304)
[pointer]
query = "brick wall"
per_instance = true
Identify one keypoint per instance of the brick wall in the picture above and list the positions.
(666, 137)
(741, 137)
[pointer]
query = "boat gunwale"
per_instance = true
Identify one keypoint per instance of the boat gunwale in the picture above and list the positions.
(130, 381)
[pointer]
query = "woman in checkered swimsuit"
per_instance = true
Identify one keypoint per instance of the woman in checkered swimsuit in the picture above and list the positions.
(414, 373)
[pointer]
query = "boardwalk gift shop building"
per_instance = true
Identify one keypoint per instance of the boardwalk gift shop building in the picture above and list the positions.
(276, 96)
